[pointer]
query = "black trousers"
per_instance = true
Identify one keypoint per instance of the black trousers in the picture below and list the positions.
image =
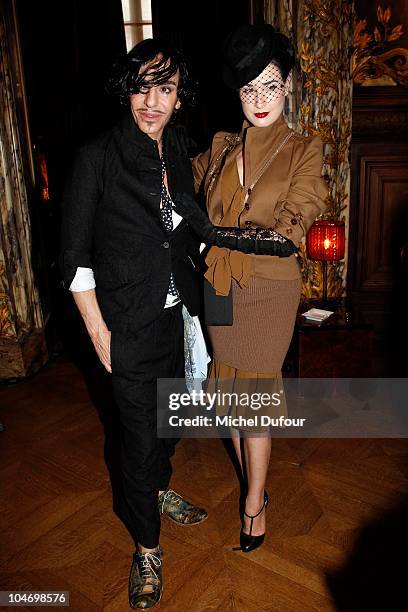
(156, 352)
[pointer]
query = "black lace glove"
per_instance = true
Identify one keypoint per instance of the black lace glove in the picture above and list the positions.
(249, 240)
(255, 240)
(198, 220)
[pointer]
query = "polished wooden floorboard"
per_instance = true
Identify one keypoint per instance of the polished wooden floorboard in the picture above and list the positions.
(334, 504)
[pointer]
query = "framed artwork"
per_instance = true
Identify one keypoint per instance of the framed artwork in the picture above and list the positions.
(380, 55)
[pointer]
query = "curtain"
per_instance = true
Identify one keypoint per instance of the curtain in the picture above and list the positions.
(21, 323)
(320, 104)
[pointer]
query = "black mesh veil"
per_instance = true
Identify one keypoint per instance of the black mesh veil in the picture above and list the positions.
(267, 87)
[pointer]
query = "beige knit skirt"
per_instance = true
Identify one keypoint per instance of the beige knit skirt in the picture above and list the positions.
(249, 354)
(264, 316)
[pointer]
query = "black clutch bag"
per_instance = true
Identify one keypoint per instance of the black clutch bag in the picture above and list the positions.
(217, 308)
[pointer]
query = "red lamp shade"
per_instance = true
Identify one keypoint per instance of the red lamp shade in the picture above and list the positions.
(326, 240)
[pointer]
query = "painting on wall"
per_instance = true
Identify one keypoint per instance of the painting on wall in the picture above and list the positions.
(380, 54)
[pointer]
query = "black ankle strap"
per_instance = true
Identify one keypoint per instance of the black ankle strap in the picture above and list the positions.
(257, 514)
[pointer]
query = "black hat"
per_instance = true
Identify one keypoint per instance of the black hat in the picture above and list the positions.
(247, 51)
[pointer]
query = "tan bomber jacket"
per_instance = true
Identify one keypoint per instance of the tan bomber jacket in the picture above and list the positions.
(283, 186)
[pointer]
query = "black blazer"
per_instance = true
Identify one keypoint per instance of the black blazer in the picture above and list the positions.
(111, 223)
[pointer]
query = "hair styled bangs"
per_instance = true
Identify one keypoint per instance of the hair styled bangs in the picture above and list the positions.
(128, 76)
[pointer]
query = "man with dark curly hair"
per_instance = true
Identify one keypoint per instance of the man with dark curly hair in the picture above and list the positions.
(128, 259)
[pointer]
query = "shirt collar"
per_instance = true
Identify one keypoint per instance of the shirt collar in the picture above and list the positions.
(265, 133)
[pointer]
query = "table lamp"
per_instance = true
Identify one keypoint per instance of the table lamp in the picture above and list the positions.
(326, 242)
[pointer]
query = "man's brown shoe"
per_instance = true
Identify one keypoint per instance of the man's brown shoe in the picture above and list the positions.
(145, 580)
(180, 510)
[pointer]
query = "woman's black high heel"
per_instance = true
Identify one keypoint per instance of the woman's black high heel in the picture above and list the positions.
(247, 540)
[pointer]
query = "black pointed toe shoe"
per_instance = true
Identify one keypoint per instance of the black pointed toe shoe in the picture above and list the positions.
(248, 541)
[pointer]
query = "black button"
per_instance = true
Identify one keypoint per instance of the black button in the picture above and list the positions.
(293, 221)
(166, 245)
(248, 223)
(246, 206)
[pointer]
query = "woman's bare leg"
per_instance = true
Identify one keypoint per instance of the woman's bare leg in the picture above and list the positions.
(257, 455)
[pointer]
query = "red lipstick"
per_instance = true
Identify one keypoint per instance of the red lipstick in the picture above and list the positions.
(261, 115)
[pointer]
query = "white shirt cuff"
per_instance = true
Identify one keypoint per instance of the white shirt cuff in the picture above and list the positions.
(83, 280)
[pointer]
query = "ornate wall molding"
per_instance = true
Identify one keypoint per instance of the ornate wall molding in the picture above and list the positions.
(380, 112)
(380, 123)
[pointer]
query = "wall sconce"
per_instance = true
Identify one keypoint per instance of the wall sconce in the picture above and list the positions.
(326, 242)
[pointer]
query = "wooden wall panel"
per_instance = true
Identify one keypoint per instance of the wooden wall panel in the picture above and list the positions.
(383, 198)
(377, 274)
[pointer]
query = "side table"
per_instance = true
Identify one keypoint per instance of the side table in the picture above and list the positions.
(341, 347)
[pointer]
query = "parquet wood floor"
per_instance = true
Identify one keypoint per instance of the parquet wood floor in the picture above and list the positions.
(337, 518)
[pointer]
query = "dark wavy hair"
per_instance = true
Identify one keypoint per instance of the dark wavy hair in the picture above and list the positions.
(125, 79)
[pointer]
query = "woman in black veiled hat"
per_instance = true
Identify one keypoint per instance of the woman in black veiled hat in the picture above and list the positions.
(267, 176)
